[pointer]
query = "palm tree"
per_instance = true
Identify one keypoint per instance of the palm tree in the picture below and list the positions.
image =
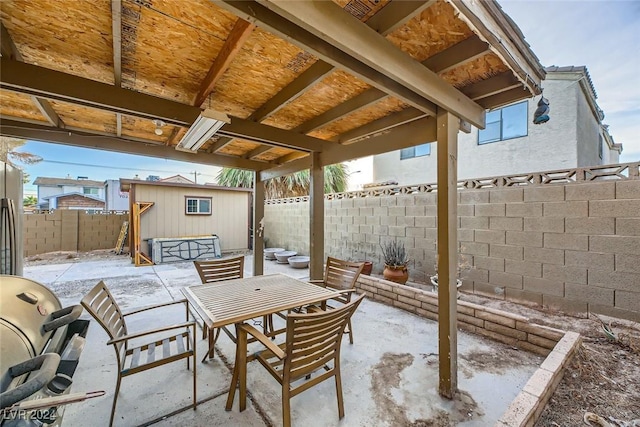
(292, 185)
(9, 155)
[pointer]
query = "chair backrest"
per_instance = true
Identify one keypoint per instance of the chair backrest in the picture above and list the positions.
(102, 306)
(314, 339)
(341, 274)
(220, 269)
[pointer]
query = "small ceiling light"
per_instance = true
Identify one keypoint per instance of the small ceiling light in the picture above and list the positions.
(158, 123)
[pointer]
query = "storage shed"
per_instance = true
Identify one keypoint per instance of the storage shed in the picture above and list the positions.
(188, 212)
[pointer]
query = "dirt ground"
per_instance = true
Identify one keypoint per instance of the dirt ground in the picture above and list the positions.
(601, 384)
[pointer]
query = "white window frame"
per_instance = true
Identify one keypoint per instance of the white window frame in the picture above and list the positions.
(199, 205)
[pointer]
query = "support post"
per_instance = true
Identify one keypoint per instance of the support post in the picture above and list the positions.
(447, 147)
(316, 218)
(258, 222)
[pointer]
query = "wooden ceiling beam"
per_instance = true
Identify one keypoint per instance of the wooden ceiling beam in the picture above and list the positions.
(392, 16)
(383, 124)
(285, 169)
(222, 141)
(77, 138)
(367, 50)
(38, 81)
(257, 132)
(414, 133)
(503, 98)
(491, 86)
(449, 58)
(358, 102)
(395, 14)
(290, 157)
(418, 132)
(116, 30)
(326, 50)
(257, 151)
(230, 49)
(456, 55)
(9, 51)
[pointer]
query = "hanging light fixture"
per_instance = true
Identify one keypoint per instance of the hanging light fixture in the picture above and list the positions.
(541, 115)
(158, 123)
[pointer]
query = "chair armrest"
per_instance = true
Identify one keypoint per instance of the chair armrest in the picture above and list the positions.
(151, 307)
(151, 332)
(265, 340)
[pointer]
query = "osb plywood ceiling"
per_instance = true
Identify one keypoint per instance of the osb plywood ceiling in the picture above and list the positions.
(97, 73)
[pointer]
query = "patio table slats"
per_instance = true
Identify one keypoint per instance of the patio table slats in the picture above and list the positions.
(225, 303)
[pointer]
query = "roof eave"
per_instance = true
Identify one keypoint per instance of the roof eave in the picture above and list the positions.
(495, 27)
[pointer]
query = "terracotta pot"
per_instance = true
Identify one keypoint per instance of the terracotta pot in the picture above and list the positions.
(396, 274)
(368, 266)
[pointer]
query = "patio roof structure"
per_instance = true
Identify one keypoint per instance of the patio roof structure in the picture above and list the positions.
(304, 85)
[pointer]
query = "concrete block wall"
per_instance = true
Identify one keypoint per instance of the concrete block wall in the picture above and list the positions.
(70, 230)
(288, 226)
(574, 247)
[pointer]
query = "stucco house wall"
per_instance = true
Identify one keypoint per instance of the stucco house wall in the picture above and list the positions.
(568, 140)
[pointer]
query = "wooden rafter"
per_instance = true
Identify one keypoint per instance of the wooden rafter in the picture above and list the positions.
(392, 16)
(116, 29)
(257, 151)
(457, 54)
(231, 47)
(10, 51)
(325, 22)
(380, 125)
(326, 48)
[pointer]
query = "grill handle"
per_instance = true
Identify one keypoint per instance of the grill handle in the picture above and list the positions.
(46, 365)
(62, 317)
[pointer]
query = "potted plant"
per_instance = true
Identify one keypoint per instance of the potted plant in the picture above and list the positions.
(395, 262)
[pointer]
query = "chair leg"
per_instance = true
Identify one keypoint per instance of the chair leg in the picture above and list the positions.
(339, 391)
(350, 331)
(115, 400)
(286, 406)
(195, 396)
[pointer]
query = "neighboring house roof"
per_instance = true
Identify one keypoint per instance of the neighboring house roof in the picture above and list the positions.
(52, 182)
(74, 193)
(177, 178)
(574, 69)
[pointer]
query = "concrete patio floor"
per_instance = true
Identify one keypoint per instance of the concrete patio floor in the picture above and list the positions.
(390, 373)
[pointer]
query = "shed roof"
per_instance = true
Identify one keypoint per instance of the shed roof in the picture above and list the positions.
(295, 77)
(125, 185)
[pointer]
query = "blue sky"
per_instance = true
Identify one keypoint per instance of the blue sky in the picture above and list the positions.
(603, 35)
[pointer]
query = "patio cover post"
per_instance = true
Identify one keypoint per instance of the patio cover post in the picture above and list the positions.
(316, 215)
(258, 220)
(447, 147)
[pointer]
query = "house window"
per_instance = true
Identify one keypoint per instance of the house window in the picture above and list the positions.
(505, 123)
(90, 190)
(197, 205)
(417, 151)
